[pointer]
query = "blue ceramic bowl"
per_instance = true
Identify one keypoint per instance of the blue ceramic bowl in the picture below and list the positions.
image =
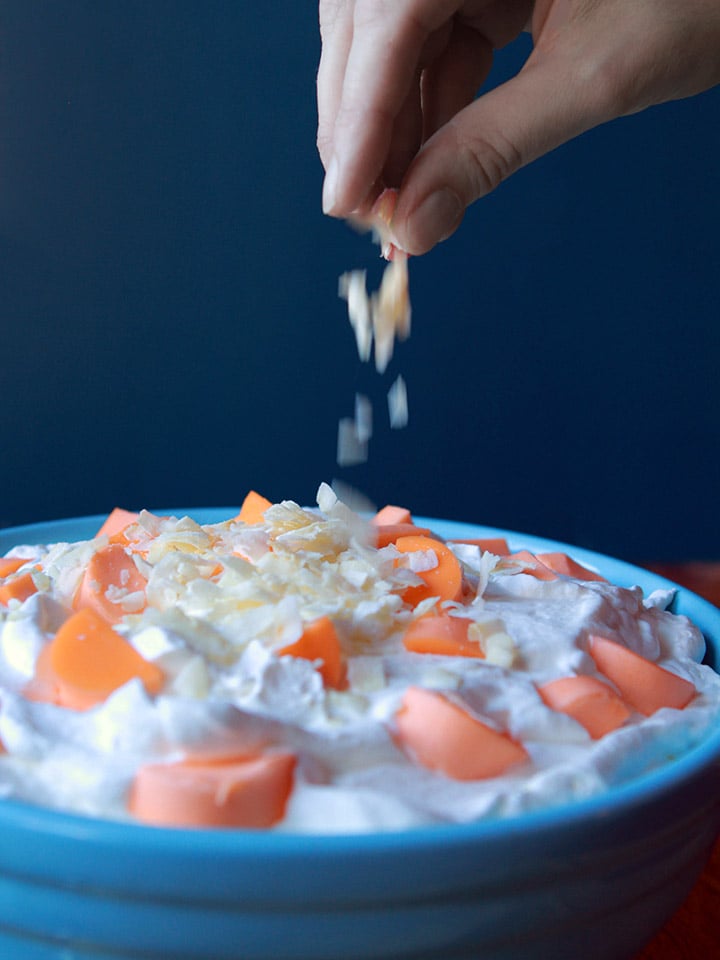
(592, 879)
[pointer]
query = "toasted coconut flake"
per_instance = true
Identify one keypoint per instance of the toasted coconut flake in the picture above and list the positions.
(363, 418)
(337, 509)
(385, 316)
(351, 449)
(354, 499)
(326, 497)
(352, 288)
(497, 645)
(193, 681)
(287, 516)
(419, 560)
(391, 312)
(398, 404)
(367, 674)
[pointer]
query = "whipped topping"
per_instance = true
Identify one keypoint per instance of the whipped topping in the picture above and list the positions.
(224, 600)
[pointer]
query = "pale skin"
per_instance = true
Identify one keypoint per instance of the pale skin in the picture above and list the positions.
(398, 78)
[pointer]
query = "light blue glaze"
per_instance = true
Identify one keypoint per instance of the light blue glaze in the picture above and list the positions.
(590, 880)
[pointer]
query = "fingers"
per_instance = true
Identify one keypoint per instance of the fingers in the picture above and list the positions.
(406, 136)
(387, 64)
(451, 80)
(388, 38)
(479, 147)
(336, 31)
(392, 72)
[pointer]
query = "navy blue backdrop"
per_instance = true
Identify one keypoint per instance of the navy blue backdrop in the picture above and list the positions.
(171, 334)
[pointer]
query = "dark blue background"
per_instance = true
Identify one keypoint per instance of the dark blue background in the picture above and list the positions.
(170, 331)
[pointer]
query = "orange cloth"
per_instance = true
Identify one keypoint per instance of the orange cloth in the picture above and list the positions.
(693, 933)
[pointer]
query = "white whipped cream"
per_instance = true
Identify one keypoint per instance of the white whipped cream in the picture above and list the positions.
(223, 599)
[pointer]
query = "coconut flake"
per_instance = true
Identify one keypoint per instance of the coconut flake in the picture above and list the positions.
(352, 288)
(354, 499)
(351, 448)
(363, 417)
(398, 404)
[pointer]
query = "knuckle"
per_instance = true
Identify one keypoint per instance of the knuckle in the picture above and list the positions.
(607, 88)
(487, 160)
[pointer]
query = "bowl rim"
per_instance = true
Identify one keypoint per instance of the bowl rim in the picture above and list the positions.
(617, 800)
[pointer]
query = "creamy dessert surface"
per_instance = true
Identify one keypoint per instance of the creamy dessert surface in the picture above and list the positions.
(224, 601)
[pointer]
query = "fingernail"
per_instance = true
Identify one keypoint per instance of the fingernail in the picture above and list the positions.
(329, 196)
(384, 206)
(433, 220)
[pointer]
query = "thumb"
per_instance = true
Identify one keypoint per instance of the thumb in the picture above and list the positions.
(536, 111)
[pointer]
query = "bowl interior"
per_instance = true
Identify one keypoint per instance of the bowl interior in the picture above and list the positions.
(701, 612)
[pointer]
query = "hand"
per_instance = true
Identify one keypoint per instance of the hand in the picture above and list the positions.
(398, 78)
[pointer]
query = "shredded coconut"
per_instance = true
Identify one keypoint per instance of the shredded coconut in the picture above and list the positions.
(351, 447)
(398, 404)
(352, 287)
(218, 625)
(363, 417)
(378, 319)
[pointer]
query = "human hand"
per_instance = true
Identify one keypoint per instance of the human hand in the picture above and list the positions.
(397, 82)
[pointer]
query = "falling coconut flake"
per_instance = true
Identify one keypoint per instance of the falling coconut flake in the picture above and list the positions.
(351, 450)
(354, 434)
(352, 287)
(378, 319)
(363, 417)
(397, 404)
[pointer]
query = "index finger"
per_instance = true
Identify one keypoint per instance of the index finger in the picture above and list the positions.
(336, 32)
(387, 41)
